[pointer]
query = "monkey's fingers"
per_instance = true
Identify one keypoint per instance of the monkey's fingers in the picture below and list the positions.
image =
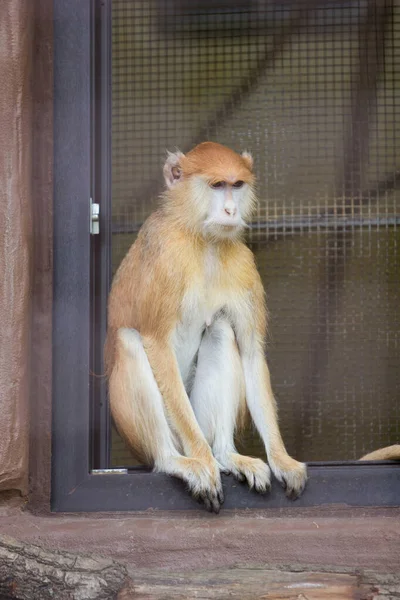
(204, 482)
(295, 492)
(212, 497)
(216, 499)
(207, 504)
(211, 502)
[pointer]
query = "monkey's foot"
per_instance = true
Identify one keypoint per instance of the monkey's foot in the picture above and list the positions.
(202, 477)
(291, 474)
(254, 471)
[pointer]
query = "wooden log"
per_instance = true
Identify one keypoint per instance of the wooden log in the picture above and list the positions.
(28, 572)
(292, 582)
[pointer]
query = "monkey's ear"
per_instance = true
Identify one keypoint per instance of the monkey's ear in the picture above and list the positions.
(172, 168)
(248, 159)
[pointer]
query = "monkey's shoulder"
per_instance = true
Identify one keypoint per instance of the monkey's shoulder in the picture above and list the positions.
(237, 252)
(155, 246)
(239, 267)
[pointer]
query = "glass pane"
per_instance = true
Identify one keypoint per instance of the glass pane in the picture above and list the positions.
(312, 94)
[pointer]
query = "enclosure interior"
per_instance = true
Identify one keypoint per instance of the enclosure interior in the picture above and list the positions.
(309, 88)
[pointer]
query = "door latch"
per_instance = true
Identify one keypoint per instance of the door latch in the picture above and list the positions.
(94, 218)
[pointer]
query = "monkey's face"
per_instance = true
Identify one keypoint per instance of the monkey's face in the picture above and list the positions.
(225, 205)
(211, 189)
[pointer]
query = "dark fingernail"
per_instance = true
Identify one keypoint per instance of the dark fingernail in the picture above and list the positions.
(208, 504)
(216, 507)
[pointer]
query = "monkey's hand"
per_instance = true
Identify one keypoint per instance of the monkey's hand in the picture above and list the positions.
(202, 476)
(290, 473)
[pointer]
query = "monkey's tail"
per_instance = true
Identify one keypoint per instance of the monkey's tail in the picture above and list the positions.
(388, 453)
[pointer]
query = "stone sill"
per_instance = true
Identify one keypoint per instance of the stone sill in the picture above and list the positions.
(329, 537)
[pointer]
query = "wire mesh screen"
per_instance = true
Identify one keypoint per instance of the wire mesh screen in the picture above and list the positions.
(310, 89)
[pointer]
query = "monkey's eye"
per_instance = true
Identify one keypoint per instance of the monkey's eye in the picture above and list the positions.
(218, 185)
(238, 184)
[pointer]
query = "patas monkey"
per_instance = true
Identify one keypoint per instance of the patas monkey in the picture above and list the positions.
(186, 332)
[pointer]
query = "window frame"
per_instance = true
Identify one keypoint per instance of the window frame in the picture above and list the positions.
(79, 174)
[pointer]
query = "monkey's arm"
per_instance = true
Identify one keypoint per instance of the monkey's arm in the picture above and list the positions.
(250, 328)
(179, 410)
(165, 273)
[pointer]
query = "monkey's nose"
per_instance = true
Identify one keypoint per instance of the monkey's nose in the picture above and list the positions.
(230, 210)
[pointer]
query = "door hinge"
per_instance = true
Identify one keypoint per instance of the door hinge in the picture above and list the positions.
(94, 218)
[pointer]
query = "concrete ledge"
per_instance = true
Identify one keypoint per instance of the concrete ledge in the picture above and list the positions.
(338, 537)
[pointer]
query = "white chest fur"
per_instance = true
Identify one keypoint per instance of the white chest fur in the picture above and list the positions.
(199, 306)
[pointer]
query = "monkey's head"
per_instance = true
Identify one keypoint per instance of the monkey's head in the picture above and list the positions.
(211, 189)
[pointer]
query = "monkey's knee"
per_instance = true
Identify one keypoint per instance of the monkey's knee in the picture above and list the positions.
(221, 329)
(233, 369)
(219, 354)
(130, 340)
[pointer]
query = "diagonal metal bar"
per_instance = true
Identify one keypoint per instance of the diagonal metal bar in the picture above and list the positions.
(244, 89)
(337, 251)
(364, 101)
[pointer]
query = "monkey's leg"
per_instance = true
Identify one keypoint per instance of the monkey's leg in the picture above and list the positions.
(138, 411)
(218, 398)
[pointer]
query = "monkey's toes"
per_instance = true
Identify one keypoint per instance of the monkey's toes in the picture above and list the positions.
(253, 471)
